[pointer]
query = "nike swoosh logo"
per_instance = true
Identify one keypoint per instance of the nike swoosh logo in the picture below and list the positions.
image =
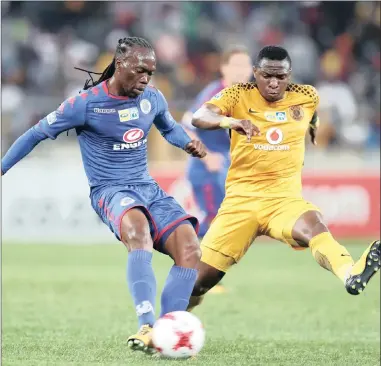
(252, 111)
(345, 255)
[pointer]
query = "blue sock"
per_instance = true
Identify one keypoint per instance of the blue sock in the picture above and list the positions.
(142, 284)
(178, 289)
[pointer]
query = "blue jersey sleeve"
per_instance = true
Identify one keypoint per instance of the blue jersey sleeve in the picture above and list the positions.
(70, 114)
(21, 147)
(172, 131)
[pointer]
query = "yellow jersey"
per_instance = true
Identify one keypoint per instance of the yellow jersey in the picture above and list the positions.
(271, 164)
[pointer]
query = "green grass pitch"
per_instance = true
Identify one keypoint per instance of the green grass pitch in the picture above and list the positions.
(69, 305)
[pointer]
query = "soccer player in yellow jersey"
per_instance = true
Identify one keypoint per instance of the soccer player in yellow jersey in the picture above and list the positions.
(268, 121)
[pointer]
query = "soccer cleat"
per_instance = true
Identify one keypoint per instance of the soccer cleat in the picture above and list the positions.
(364, 269)
(142, 340)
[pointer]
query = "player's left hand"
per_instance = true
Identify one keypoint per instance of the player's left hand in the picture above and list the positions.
(313, 135)
(196, 148)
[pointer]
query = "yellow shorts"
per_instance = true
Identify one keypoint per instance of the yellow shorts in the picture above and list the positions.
(241, 219)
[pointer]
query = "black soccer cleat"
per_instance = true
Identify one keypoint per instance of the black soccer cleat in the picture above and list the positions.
(364, 269)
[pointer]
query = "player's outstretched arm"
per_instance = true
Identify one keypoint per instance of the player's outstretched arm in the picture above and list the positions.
(21, 148)
(210, 117)
(70, 114)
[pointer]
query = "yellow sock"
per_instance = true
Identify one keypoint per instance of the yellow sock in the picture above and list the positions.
(360, 265)
(331, 255)
(194, 301)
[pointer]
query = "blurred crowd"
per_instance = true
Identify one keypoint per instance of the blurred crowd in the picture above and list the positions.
(334, 46)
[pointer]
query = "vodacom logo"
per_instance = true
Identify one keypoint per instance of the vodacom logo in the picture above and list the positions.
(274, 136)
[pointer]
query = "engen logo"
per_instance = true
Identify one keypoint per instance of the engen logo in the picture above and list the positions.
(133, 135)
(274, 136)
(133, 139)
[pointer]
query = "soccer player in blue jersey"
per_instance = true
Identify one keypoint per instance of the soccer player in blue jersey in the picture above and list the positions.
(207, 176)
(112, 118)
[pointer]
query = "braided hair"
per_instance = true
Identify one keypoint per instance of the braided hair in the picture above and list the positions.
(121, 48)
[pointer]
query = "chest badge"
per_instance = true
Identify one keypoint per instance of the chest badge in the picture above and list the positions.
(145, 106)
(296, 112)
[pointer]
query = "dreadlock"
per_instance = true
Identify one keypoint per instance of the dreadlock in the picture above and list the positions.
(121, 48)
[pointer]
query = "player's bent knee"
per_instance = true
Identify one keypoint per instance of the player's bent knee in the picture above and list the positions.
(135, 231)
(190, 254)
(309, 225)
(184, 247)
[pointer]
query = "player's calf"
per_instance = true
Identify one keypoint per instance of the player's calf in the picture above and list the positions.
(207, 278)
(135, 234)
(310, 231)
(182, 245)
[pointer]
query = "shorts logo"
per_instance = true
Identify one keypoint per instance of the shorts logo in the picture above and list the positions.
(276, 117)
(129, 114)
(145, 106)
(274, 136)
(126, 201)
(133, 135)
(296, 112)
(51, 118)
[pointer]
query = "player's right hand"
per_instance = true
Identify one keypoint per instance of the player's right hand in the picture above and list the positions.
(245, 127)
(196, 148)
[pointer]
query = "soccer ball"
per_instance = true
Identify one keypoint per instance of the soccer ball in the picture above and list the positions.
(178, 335)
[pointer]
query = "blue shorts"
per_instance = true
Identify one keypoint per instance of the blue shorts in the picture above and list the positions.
(164, 214)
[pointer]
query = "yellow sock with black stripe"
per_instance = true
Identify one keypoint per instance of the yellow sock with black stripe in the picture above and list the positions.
(331, 255)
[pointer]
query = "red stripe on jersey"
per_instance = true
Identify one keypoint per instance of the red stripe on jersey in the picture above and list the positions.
(71, 101)
(105, 88)
(95, 90)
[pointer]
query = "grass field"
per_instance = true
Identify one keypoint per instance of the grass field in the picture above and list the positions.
(69, 305)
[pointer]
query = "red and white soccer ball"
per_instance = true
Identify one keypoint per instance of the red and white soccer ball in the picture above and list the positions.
(178, 335)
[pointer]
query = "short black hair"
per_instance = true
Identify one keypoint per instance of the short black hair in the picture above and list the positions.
(273, 53)
(123, 45)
